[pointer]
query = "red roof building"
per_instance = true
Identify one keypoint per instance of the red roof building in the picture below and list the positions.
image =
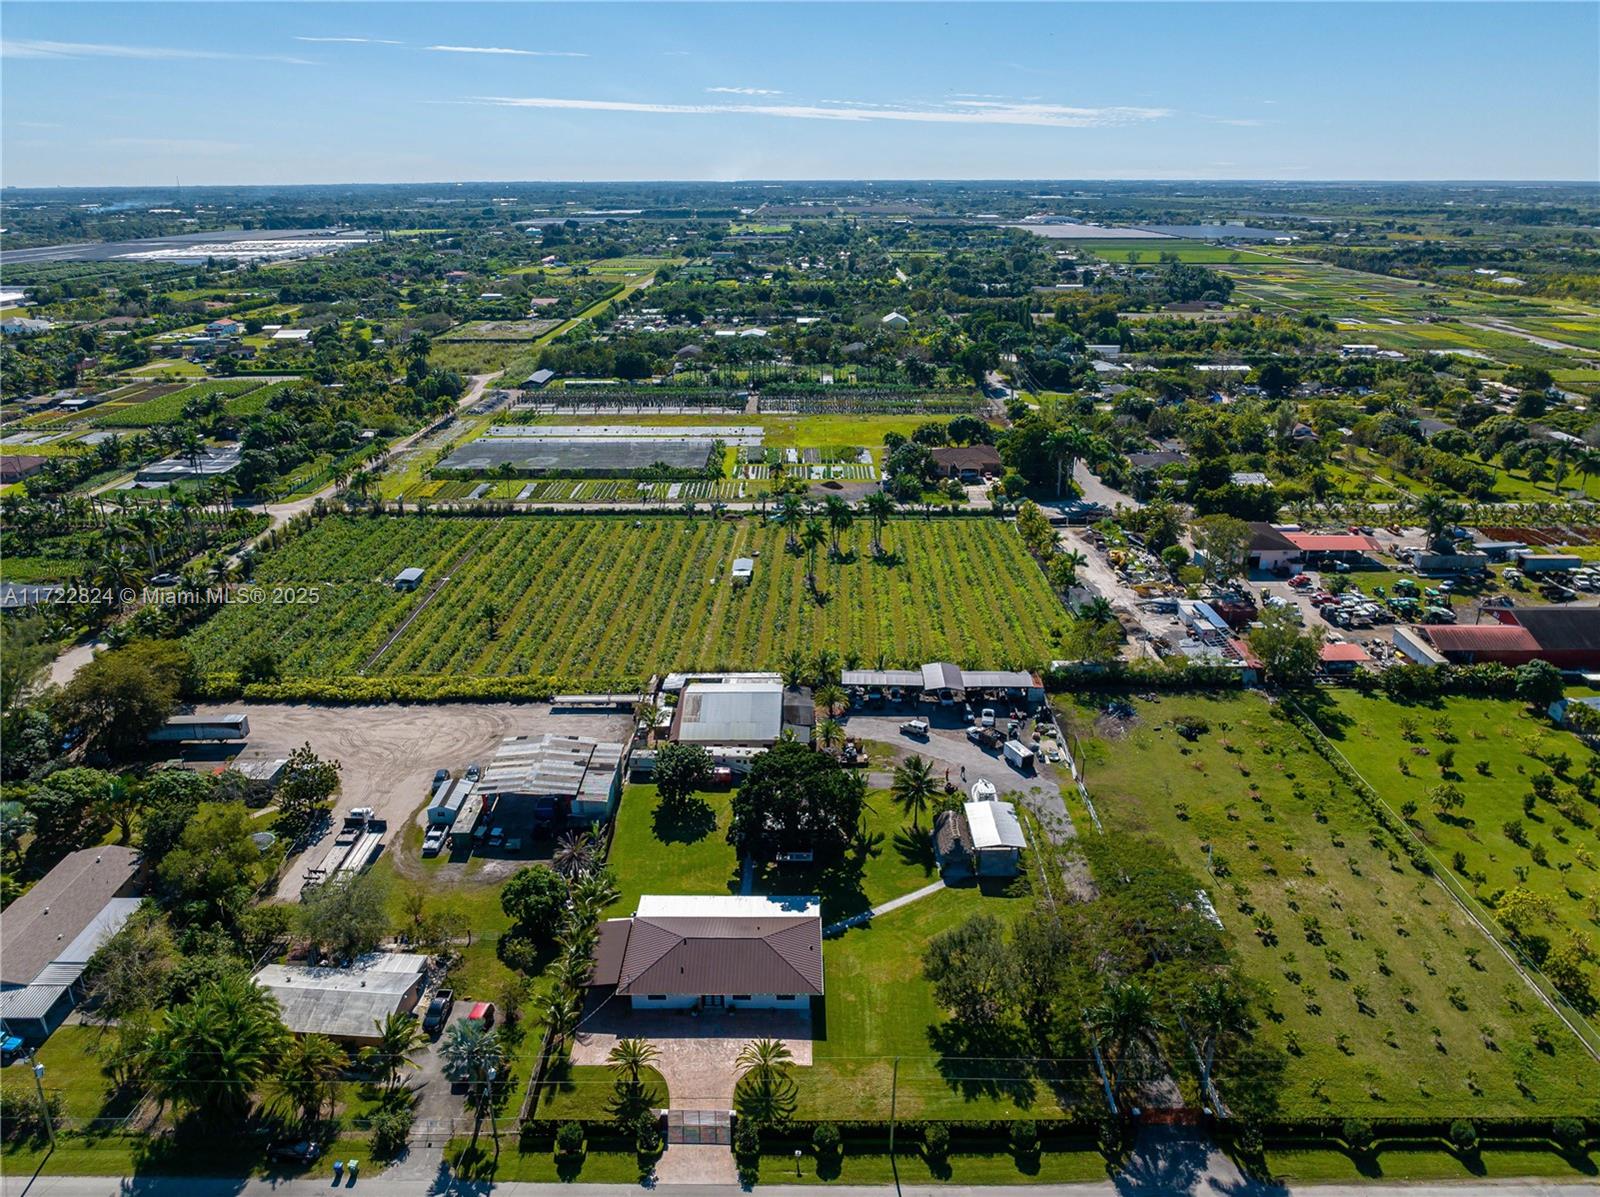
(1342, 652)
(1340, 542)
(1509, 644)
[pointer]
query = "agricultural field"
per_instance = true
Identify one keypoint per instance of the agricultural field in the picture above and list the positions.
(1492, 752)
(1387, 998)
(1148, 250)
(166, 407)
(590, 599)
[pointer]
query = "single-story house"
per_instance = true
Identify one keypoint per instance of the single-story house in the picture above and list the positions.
(741, 713)
(532, 779)
(1250, 478)
(346, 1004)
(17, 466)
(1270, 549)
(982, 839)
(714, 952)
(895, 320)
(1343, 657)
(48, 935)
(967, 462)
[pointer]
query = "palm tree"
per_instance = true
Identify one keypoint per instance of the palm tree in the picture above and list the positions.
(764, 1060)
(470, 1053)
(1097, 611)
(811, 538)
(596, 891)
(879, 506)
(630, 1057)
(914, 787)
(398, 1036)
(306, 1076)
(211, 1052)
(830, 731)
(1217, 1012)
(788, 516)
(839, 517)
(830, 696)
(1123, 1021)
(574, 854)
(1438, 514)
(561, 1012)
(793, 668)
(825, 667)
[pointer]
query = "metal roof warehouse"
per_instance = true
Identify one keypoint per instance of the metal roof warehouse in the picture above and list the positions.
(345, 1003)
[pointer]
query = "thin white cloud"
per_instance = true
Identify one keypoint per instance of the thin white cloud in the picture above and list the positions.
(33, 48)
(965, 113)
(508, 50)
(351, 41)
(745, 91)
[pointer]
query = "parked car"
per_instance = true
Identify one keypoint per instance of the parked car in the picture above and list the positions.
(433, 842)
(987, 717)
(294, 1151)
(440, 778)
(165, 580)
(10, 1049)
(439, 1011)
(474, 772)
(915, 727)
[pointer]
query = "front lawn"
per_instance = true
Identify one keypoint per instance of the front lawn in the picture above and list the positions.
(959, 1169)
(588, 1090)
(1388, 1000)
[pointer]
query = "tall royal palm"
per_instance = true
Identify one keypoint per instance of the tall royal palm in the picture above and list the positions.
(839, 517)
(812, 537)
(790, 512)
(879, 506)
(1123, 1021)
(914, 787)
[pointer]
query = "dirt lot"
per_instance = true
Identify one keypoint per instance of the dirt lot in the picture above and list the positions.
(389, 753)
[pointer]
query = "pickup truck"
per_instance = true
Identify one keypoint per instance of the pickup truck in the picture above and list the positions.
(439, 1010)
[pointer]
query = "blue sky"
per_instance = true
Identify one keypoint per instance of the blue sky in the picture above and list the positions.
(109, 93)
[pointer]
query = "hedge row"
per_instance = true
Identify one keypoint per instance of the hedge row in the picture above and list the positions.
(226, 687)
(1142, 675)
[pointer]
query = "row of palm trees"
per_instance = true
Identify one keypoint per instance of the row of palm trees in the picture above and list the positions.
(808, 525)
(1125, 1025)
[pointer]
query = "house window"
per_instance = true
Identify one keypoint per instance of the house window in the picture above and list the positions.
(741, 997)
(786, 997)
(656, 997)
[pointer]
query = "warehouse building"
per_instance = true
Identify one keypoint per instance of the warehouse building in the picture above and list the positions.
(48, 935)
(741, 712)
(346, 1004)
(534, 779)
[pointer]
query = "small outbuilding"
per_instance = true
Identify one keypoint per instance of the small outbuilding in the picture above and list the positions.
(409, 578)
(744, 569)
(982, 839)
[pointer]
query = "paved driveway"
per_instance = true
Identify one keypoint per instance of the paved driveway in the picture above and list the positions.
(697, 1053)
(948, 747)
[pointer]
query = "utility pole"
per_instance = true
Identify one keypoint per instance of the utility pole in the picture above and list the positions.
(494, 1127)
(894, 1093)
(44, 1106)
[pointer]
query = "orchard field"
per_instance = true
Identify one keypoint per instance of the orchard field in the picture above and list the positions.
(596, 600)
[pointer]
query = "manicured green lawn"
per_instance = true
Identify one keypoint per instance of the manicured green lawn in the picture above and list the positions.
(588, 1091)
(228, 1155)
(690, 854)
(1374, 995)
(1498, 747)
(1437, 1164)
(909, 1167)
(879, 1009)
(596, 1167)
(72, 1069)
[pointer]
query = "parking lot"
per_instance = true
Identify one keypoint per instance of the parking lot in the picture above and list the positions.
(389, 753)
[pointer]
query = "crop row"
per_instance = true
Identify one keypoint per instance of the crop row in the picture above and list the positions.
(586, 597)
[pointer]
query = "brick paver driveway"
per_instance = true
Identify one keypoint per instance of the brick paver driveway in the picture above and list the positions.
(697, 1053)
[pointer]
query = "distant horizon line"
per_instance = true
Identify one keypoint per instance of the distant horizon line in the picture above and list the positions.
(875, 181)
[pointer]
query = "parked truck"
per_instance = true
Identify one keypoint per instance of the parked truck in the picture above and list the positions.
(182, 729)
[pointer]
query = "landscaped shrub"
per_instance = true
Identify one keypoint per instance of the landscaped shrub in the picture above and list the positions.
(389, 1131)
(1568, 1132)
(569, 1140)
(1025, 1137)
(825, 1139)
(1356, 1133)
(1463, 1134)
(747, 1140)
(935, 1141)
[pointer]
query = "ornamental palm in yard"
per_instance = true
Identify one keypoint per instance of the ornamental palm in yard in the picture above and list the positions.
(630, 1057)
(764, 1060)
(1123, 1021)
(879, 506)
(306, 1076)
(839, 517)
(811, 538)
(398, 1036)
(211, 1052)
(914, 787)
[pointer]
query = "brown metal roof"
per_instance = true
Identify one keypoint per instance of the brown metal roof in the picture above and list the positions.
(39, 925)
(1482, 637)
(608, 951)
(717, 955)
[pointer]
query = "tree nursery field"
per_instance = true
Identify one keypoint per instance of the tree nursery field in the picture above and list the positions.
(592, 600)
